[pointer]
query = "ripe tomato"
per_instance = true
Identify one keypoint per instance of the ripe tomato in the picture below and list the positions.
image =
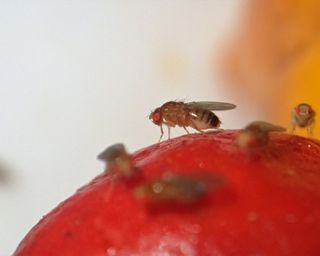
(267, 204)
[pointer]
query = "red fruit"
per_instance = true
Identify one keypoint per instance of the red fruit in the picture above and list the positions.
(267, 205)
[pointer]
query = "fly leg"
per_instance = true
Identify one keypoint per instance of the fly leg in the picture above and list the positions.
(292, 128)
(201, 131)
(161, 130)
(310, 129)
(168, 133)
(185, 128)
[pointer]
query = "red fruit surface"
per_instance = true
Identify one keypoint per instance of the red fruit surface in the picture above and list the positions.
(268, 205)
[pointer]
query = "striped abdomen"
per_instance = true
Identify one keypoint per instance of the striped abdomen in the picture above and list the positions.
(203, 119)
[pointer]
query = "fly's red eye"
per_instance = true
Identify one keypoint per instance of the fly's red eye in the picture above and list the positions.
(156, 117)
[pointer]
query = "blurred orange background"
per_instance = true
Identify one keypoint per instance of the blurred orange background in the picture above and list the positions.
(272, 58)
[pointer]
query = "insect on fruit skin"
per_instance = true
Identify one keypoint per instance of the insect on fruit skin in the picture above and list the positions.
(256, 134)
(117, 158)
(178, 189)
(197, 115)
(303, 116)
(269, 205)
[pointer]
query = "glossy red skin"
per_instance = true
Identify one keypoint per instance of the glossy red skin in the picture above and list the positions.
(269, 205)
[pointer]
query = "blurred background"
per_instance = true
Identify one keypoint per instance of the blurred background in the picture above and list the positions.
(78, 76)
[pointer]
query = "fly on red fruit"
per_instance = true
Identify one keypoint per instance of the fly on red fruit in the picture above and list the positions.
(256, 134)
(117, 159)
(303, 116)
(197, 115)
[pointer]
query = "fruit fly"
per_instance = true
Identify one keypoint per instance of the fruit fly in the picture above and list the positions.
(197, 115)
(256, 134)
(178, 189)
(117, 158)
(303, 116)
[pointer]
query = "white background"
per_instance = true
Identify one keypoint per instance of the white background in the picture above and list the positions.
(77, 76)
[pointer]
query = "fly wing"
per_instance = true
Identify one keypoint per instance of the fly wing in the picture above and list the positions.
(211, 105)
(112, 152)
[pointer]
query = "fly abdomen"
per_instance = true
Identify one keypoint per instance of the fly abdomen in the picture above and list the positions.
(208, 118)
(204, 119)
(213, 120)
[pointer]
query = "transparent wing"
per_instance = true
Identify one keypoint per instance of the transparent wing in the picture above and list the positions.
(266, 127)
(211, 105)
